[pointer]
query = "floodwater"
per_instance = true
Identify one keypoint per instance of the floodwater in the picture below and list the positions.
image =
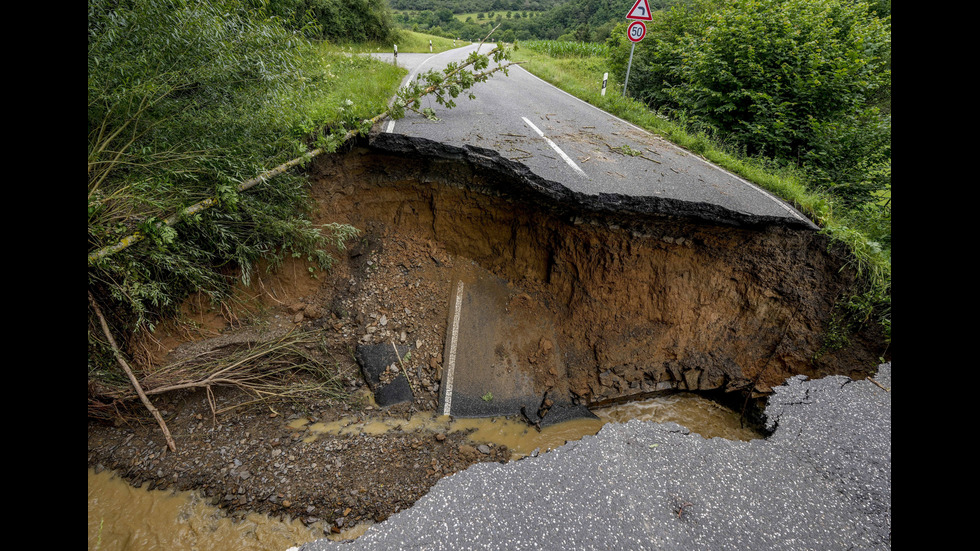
(123, 518)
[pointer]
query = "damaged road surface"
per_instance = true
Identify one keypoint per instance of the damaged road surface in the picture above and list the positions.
(492, 278)
(563, 139)
(500, 357)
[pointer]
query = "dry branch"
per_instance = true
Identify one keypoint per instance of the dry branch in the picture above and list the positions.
(262, 370)
(129, 373)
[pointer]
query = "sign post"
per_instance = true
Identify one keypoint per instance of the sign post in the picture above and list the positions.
(639, 13)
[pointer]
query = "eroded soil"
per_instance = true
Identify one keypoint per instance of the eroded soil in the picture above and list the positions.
(385, 288)
(640, 303)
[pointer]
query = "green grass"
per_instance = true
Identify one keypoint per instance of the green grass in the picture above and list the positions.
(567, 48)
(367, 82)
(408, 42)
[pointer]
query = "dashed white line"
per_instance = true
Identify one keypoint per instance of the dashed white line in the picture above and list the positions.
(557, 149)
(451, 364)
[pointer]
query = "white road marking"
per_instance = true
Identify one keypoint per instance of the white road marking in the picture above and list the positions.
(554, 146)
(450, 367)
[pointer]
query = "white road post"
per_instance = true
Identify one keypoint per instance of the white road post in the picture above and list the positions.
(605, 78)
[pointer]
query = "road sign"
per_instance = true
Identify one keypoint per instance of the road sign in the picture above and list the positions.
(636, 31)
(640, 11)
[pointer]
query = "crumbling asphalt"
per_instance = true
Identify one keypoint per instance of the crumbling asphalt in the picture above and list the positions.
(821, 480)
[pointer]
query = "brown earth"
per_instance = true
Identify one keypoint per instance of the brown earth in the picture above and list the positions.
(640, 303)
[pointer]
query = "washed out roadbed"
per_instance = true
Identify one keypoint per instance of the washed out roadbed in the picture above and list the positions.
(642, 301)
(263, 457)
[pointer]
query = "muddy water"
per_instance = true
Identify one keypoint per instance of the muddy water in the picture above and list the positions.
(123, 518)
(700, 415)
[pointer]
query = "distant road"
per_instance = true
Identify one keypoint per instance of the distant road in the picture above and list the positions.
(563, 139)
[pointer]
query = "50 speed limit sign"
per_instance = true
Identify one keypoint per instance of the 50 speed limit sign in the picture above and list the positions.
(636, 31)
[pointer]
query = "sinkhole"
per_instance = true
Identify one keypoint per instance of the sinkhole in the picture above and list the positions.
(552, 304)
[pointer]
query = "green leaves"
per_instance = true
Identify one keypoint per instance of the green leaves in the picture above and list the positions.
(446, 85)
(185, 101)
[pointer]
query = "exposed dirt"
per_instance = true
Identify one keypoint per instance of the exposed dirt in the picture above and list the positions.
(385, 288)
(640, 303)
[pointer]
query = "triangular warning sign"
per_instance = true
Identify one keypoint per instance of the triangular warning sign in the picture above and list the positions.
(640, 11)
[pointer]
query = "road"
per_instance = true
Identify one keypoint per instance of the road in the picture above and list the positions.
(563, 139)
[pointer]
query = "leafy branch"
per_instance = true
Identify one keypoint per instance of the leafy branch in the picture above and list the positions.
(444, 85)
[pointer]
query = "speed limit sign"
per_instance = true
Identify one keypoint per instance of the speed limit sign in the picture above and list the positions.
(636, 31)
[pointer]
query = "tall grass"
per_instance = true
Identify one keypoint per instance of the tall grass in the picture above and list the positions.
(564, 48)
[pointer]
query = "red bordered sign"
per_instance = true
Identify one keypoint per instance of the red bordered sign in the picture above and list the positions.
(640, 11)
(636, 31)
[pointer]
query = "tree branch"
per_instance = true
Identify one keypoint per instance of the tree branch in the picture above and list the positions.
(129, 373)
(452, 78)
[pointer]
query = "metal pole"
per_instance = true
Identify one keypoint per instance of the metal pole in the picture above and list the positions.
(628, 65)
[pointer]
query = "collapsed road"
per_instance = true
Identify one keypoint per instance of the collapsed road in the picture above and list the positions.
(639, 274)
(597, 298)
(822, 480)
(587, 298)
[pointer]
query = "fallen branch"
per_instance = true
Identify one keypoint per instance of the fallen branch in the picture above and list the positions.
(878, 384)
(129, 373)
(454, 81)
(262, 369)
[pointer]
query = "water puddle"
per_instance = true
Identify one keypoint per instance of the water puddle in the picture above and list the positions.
(124, 518)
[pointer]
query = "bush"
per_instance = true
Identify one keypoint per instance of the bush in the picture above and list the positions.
(781, 78)
(339, 21)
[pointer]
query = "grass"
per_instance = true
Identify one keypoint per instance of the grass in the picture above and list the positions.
(366, 82)
(408, 42)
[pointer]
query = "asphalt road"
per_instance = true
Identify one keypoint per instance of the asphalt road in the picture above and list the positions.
(821, 481)
(563, 139)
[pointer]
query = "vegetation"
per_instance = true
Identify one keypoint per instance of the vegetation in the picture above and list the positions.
(407, 42)
(199, 115)
(338, 21)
